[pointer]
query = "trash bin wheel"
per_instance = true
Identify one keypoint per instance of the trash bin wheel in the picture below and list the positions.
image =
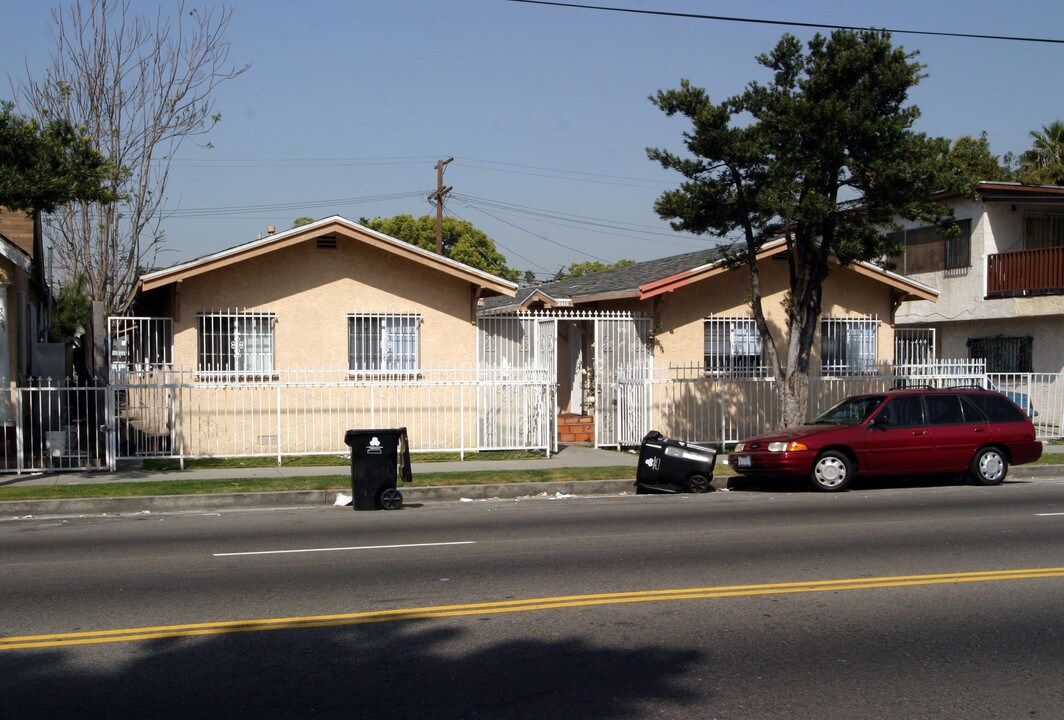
(391, 499)
(698, 484)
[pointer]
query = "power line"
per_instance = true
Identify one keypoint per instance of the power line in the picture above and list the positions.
(232, 210)
(565, 174)
(484, 253)
(613, 230)
(790, 23)
(524, 230)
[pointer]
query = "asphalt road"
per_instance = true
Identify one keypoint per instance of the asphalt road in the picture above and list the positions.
(928, 602)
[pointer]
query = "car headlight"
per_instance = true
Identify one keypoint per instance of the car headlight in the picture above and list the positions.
(786, 447)
(739, 447)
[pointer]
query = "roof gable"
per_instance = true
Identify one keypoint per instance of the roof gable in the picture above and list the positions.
(331, 226)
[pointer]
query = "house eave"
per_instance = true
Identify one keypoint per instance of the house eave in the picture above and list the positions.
(335, 223)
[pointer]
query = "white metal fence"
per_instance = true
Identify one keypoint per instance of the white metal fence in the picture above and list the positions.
(718, 411)
(173, 413)
(166, 413)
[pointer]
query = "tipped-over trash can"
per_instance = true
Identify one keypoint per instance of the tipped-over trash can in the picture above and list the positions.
(378, 457)
(673, 466)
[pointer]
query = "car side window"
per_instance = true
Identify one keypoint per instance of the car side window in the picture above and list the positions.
(943, 409)
(972, 412)
(997, 407)
(905, 411)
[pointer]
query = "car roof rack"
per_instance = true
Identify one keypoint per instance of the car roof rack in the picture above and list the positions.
(963, 386)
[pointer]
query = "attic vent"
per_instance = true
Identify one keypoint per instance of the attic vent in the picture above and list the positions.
(327, 243)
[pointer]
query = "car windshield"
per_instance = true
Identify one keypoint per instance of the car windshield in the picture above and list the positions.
(850, 411)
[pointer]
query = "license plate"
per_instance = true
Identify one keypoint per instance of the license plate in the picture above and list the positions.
(743, 461)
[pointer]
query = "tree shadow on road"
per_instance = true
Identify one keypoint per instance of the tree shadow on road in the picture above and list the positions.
(390, 670)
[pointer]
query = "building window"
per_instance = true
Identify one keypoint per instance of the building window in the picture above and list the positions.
(1003, 354)
(235, 343)
(848, 346)
(926, 249)
(379, 343)
(732, 346)
(1042, 230)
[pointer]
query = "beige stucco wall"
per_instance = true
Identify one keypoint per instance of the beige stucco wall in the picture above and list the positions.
(311, 291)
(680, 314)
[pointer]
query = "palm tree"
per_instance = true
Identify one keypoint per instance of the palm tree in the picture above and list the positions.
(1043, 164)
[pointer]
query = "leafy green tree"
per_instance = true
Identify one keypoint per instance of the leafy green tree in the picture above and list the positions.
(1043, 163)
(72, 312)
(823, 156)
(43, 167)
(461, 241)
(587, 268)
(300, 221)
(970, 161)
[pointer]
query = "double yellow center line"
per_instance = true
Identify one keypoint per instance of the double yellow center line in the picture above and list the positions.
(509, 606)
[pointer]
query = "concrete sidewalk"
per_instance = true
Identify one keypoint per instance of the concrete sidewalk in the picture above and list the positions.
(572, 456)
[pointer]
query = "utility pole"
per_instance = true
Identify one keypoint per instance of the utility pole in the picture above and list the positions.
(437, 197)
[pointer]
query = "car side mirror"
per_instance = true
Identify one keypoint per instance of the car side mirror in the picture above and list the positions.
(879, 421)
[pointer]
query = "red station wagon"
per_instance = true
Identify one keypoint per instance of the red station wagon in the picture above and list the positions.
(900, 433)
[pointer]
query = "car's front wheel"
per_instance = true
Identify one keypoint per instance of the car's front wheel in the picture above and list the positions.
(989, 466)
(832, 471)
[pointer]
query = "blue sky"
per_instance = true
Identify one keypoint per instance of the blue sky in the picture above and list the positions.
(544, 109)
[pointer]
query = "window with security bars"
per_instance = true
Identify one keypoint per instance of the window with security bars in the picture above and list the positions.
(848, 346)
(1003, 354)
(929, 249)
(382, 343)
(1042, 230)
(235, 343)
(732, 346)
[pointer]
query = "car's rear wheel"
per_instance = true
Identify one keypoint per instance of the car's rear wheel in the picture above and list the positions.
(989, 466)
(832, 471)
(698, 484)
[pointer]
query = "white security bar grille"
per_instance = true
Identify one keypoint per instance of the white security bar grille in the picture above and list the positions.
(914, 346)
(383, 343)
(732, 347)
(235, 343)
(848, 346)
(139, 344)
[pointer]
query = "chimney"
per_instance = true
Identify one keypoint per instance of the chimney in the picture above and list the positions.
(270, 229)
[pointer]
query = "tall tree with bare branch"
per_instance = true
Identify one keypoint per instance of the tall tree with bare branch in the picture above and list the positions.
(139, 87)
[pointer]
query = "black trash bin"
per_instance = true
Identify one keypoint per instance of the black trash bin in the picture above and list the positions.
(378, 456)
(673, 466)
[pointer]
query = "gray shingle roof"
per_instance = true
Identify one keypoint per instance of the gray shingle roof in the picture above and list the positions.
(623, 279)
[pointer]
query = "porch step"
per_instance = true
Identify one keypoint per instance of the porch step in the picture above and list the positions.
(576, 428)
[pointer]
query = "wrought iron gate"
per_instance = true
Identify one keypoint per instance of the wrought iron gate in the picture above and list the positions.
(516, 378)
(623, 374)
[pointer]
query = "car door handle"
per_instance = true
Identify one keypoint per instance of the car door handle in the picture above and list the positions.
(919, 432)
(979, 429)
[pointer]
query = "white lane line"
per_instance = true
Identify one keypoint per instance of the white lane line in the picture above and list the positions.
(340, 549)
(1047, 514)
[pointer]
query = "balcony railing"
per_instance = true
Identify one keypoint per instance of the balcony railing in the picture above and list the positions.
(1027, 272)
